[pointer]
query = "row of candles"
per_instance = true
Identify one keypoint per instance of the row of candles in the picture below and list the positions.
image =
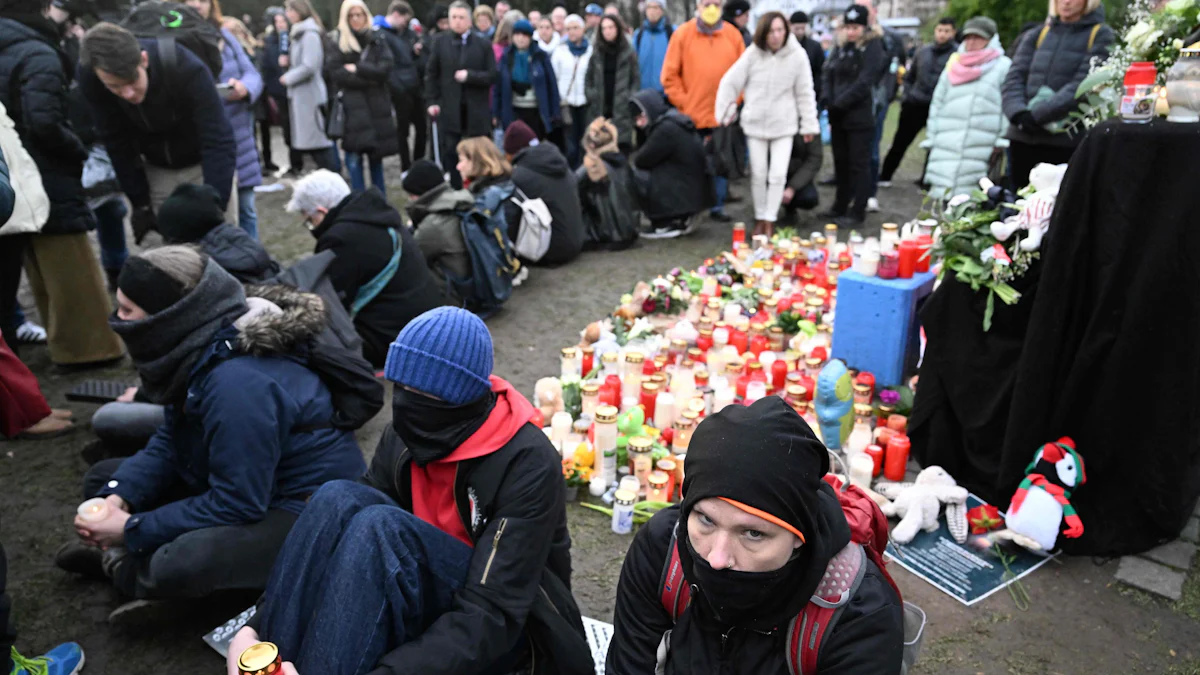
(890, 256)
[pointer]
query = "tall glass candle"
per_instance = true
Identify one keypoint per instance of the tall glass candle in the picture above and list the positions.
(633, 374)
(649, 398)
(570, 362)
(895, 463)
(664, 410)
(605, 438)
(589, 395)
(587, 359)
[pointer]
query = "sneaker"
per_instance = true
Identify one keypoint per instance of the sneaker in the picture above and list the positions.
(885, 183)
(79, 558)
(65, 659)
(872, 205)
(664, 232)
(30, 333)
(720, 216)
(521, 276)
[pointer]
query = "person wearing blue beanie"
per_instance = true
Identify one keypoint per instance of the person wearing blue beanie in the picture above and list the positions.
(452, 554)
(524, 27)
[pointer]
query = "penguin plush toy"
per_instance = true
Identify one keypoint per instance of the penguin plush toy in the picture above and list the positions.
(1042, 503)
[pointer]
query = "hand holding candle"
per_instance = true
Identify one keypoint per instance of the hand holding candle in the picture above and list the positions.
(93, 510)
(101, 522)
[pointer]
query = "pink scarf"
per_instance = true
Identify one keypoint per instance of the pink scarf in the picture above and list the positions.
(969, 66)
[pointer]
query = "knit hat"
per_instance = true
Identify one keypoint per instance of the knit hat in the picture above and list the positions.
(594, 10)
(147, 286)
(798, 17)
(662, 4)
(736, 8)
(523, 26)
(858, 14)
(980, 26)
(445, 352)
(518, 137)
(189, 213)
(421, 177)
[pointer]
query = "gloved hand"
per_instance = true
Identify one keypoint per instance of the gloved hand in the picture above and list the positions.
(143, 220)
(1025, 122)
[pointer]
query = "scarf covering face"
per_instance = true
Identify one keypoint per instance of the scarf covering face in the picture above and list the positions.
(432, 429)
(970, 66)
(766, 457)
(166, 346)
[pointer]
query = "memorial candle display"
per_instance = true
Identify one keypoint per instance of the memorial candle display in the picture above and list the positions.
(664, 410)
(895, 461)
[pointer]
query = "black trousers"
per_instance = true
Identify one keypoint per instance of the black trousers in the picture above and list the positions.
(200, 562)
(852, 164)
(533, 118)
(912, 121)
(410, 112)
(1022, 157)
(12, 250)
(448, 144)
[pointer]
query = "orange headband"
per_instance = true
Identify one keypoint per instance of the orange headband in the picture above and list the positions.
(765, 516)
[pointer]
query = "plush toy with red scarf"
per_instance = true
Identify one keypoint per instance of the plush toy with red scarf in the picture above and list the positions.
(1041, 505)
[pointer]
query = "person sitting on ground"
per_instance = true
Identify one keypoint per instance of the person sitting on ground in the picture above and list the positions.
(24, 412)
(206, 505)
(436, 210)
(607, 195)
(379, 272)
(754, 535)
(673, 154)
(486, 173)
(454, 557)
(540, 171)
(803, 167)
(193, 215)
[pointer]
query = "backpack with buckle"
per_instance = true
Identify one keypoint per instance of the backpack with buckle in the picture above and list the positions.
(170, 23)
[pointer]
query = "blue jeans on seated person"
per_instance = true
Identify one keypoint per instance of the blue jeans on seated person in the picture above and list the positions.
(358, 578)
(354, 166)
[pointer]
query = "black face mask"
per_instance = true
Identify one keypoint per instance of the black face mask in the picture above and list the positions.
(432, 429)
(736, 598)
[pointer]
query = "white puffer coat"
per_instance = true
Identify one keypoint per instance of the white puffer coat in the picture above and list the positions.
(571, 71)
(778, 91)
(966, 123)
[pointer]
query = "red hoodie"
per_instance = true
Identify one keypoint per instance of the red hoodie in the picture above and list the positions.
(433, 484)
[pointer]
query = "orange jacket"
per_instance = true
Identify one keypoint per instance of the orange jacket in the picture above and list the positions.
(694, 66)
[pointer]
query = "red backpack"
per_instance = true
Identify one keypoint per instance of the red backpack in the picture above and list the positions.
(844, 574)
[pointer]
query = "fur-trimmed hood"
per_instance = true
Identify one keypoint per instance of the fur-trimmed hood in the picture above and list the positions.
(280, 319)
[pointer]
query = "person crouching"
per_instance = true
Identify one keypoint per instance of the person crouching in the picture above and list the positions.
(193, 215)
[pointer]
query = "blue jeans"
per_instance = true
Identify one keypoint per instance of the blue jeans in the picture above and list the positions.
(110, 230)
(354, 166)
(721, 186)
(247, 214)
(879, 120)
(358, 577)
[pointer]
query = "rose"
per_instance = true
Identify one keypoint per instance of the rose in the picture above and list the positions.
(649, 305)
(984, 519)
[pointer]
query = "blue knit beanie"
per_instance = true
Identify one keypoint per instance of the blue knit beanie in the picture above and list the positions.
(523, 26)
(445, 352)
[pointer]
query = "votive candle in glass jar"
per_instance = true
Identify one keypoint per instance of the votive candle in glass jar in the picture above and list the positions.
(641, 459)
(669, 467)
(632, 382)
(657, 490)
(683, 435)
(609, 364)
(587, 360)
(605, 440)
(664, 410)
(589, 395)
(570, 362)
(649, 399)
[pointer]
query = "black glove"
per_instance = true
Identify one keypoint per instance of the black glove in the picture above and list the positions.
(1025, 122)
(143, 220)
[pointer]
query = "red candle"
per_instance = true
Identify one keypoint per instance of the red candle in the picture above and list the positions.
(889, 264)
(648, 368)
(895, 464)
(740, 340)
(924, 243)
(809, 384)
(867, 379)
(610, 395)
(876, 454)
(785, 305)
(898, 423)
(908, 259)
(705, 341)
(779, 371)
(649, 395)
(739, 235)
(742, 382)
(589, 360)
(758, 345)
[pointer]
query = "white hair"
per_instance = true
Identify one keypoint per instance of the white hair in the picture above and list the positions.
(573, 20)
(321, 188)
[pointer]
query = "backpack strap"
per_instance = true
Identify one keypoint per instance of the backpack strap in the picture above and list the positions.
(1092, 37)
(1042, 36)
(674, 592)
(368, 291)
(807, 631)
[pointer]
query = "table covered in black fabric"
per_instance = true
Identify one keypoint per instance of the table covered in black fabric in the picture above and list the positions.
(1111, 352)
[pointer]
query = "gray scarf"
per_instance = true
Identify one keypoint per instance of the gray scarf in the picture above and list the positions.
(166, 346)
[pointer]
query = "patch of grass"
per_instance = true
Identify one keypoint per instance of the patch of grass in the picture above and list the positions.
(940, 652)
(1189, 603)
(1192, 667)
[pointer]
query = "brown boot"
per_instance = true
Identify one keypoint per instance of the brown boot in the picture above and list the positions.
(48, 428)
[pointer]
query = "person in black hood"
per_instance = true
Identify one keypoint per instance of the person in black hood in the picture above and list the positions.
(379, 273)
(754, 534)
(193, 215)
(673, 155)
(540, 171)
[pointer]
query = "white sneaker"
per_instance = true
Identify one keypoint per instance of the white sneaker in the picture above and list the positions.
(521, 276)
(872, 205)
(885, 183)
(31, 333)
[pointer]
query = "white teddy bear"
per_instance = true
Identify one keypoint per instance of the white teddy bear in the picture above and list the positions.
(1038, 207)
(919, 504)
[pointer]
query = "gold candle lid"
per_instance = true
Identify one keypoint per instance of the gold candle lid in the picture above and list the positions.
(650, 387)
(776, 330)
(754, 365)
(815, 302)
(682, 423)
(764, 293)
(679, 344)
(831, 227)
(796, 391)
(607, 414)
(258, 657)
(696, 405)
(658, 478)
(862, 410)
(634, 357)
(812, 361)
(589, 389)
(640, 444)
(609, 357)
(569, 352)
(714, 303)
(690, 415)
(588, 350)
(694, 353)
(733, 367)
(891, 226)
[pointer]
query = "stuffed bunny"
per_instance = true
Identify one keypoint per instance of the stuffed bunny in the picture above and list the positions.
(1034, 218)
(919, 504)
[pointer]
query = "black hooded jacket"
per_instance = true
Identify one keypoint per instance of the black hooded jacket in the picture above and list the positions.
(356, 230)
(542, 172)
(238, 253)
(927, 66)
(673, 154)
(33, 88)
(851, 75)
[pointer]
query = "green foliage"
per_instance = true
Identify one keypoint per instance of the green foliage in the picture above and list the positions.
(1011, 15)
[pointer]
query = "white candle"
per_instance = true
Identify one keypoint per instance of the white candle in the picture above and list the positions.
(733, 312)
(755, 390)
(664, 410)
(721, 398)
(861, 468)
(93, 510)
(597, 487)
(560, 427)
(628, 403)
(766, 359)
(683, 384)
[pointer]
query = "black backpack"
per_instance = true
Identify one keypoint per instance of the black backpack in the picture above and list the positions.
(170, 23)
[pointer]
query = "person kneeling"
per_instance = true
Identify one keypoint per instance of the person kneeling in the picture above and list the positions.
(193, 215)
(454, 557)
(247, 439)
(673, 155)
(803, 166)
(753, 538)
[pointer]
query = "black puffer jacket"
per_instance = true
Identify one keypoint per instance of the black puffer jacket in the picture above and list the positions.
(405, 77)
(851, 75)
(1059, 63)
(357, 231)
(513, 509)
(927, 66)
(33, 87)
(674, 156)
(542, 172)
(239, 254)
(370, 118)
(867, 639)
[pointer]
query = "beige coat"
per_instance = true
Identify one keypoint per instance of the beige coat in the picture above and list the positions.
(778, 91)
(31, 207)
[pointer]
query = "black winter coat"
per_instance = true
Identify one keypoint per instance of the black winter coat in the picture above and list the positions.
(867, 639)
(850, 78)
(627, 81)
(927, 66)
(405, 76)
(268, 65)
(1060, 63)
(370, 118)
(180, 123)
(466, 106)
(542, 171)
(239, 254)
(512, 501)
(33, 87)
(816, 60)
(357, 231)
(673, 154)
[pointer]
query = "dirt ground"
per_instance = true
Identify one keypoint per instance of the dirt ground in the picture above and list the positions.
(1079, 622)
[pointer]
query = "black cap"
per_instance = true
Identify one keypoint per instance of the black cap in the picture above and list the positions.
(422, 177)
(189, 213)
(735, 8)
(858, 14)
(799, 17)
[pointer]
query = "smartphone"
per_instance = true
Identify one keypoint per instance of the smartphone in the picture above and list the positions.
(226, 91)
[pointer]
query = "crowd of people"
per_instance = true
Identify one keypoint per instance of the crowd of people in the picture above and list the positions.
(233, 464)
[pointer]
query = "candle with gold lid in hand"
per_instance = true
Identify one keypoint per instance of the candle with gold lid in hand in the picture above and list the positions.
(260, 658)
